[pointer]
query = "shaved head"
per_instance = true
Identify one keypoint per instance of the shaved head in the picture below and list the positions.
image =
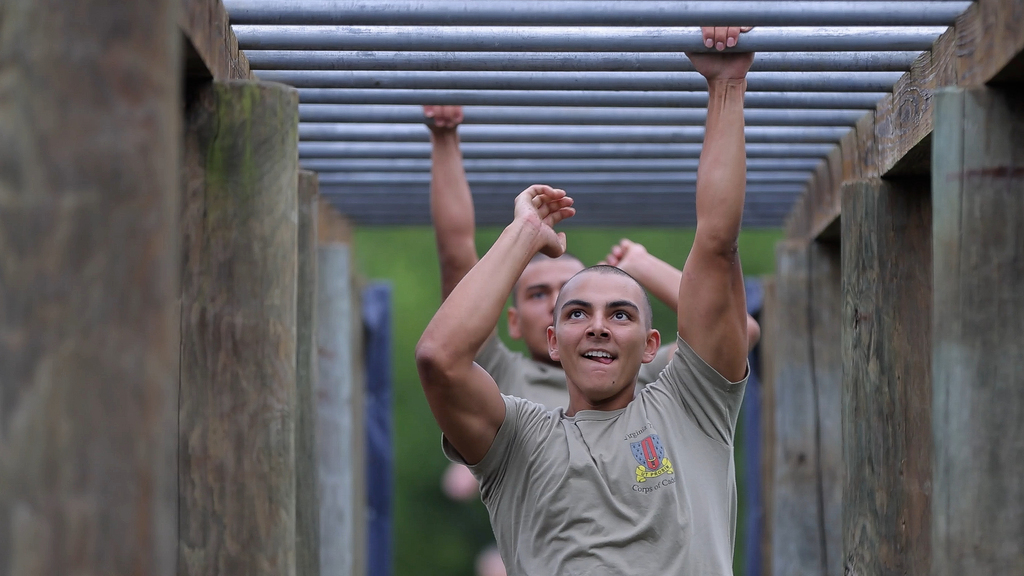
(645, 305)
(538, 257)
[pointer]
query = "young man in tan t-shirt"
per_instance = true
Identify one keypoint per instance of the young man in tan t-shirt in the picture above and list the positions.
(612, 484)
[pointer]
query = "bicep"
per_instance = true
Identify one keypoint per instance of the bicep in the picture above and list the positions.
(712, 309)
(468, 408)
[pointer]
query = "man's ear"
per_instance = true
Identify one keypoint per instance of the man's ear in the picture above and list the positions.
(553, 345)
(652, 346)
(514, 330)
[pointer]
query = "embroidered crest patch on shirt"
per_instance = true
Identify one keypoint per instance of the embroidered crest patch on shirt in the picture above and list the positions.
(650, 454)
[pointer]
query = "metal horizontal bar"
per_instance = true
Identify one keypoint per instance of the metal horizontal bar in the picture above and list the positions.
(571, 116)
(592, 13)
(561, 179)
(416, 215)
(578, 39)
(569, 61)
(585, 98)
(393, 165)
(496, 150)
(635, 81)
(504, 133)
(758, 192)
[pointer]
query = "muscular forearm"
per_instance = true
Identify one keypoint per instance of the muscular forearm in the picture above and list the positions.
(659, 278)
(722, 173)
(451, 208)
(468, 316)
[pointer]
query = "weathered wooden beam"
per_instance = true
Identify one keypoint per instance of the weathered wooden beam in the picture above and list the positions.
(89, 140)
(769, 330)
(816, 213)
(807, 483)
(886, 323)
(978, 332)
(211, 49)
(237, 394)
(340, 408)
(307, 483)
(985, 44)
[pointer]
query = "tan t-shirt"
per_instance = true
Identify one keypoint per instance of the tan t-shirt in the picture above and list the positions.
(648, 489)
(517, 375)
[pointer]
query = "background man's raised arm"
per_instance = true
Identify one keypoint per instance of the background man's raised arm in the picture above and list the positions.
(463, 397)
(661, 279)
(451, 204)
(712, 312)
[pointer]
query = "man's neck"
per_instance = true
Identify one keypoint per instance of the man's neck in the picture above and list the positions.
(577, 401)
(545, 359)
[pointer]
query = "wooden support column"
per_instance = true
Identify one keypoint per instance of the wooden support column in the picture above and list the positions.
(887, 440)
(340, 407)
(769, 357)
(806, 504)
(89, 194)
(978, 337)
(237, 399)
(307, 484)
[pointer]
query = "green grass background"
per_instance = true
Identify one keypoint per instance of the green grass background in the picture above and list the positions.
(433, 535)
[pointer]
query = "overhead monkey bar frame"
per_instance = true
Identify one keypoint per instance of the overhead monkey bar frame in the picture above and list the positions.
(594, 39)
(593, 13)
(496, 150)
(638, 81)
(533, 133)
(567, 179)
(538, 165)
(575, 116)
(585, 98)
(364, 68)
(568, 61)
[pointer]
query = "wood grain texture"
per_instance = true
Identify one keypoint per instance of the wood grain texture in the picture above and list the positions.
(769, 356)
(332, 227)
(978, 323)
(816, 213)
(806, 508)
(237, 392)
(985, 44)
(887, 284)
(89, 140)
(212, 49)
(340, 414)
(307, 484)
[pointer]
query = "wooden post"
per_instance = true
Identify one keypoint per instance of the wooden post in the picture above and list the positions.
(307, 484)
(806, 508)
(89, 195)
(340, 408)
(769, 357)
(978, 338)
(237, 398)
(887, 441)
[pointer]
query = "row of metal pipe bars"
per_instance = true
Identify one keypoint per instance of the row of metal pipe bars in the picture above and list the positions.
(593, 13)
(588, 94)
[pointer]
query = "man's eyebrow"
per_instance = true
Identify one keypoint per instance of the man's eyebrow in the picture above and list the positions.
(623, 304)
(544, 285)
(577, 302)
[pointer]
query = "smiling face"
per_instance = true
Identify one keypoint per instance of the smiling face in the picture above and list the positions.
(535, 295)
(601, 336)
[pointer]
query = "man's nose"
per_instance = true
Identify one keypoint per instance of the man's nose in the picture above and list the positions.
(597, 327)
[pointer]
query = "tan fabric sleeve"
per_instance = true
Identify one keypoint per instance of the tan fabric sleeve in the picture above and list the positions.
(649, 372)
(501, 363)
(709, 398)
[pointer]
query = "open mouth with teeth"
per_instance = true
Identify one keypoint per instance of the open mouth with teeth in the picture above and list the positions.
(599, 356)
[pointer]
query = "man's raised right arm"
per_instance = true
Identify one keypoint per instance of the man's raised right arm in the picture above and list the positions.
(462, 396)
(451, 204)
